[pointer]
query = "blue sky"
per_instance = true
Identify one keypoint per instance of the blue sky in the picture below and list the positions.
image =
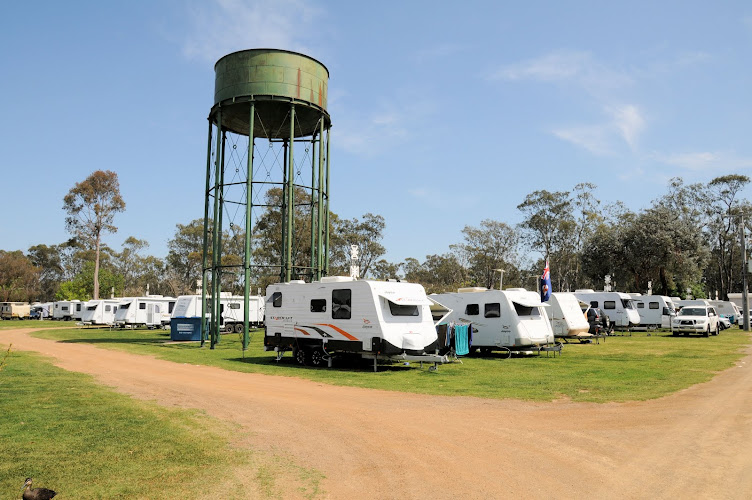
(444, 114)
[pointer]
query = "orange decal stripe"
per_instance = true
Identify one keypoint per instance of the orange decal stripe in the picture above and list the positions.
(339, 330)
(302, 331)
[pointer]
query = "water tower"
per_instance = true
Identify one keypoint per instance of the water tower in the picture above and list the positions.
(267, 159)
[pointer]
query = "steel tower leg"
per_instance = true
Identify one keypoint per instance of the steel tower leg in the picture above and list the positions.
(204, 259)
(248, 209)
(290, 198)
(215, 229)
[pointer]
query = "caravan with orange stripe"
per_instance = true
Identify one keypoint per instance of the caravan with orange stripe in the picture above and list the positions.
(379, 320)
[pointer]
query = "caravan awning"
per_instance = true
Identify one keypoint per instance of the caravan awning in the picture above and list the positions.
(407, 301)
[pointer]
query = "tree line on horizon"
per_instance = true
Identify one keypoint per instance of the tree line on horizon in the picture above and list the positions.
(686, 240)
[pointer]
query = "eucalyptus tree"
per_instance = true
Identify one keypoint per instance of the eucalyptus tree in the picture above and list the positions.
(548, 227)
(486, 249)
(19, 277)
(91, 206)
(725, 212)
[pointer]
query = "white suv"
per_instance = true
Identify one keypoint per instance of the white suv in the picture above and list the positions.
(696, 319)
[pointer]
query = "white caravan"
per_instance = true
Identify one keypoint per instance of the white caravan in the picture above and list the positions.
(618, 306)
(78, 310)
(566, 316)
(656, 311)
(100, 312)
(64, 309)
(151, 311)
(230, 310)
(513, 319)
(376, 319)
(727, 308)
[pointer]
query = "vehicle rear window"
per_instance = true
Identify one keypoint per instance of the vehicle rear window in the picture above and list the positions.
(402, 309)
(525, 310)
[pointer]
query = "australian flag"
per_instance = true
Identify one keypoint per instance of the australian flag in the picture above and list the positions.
(545, 284)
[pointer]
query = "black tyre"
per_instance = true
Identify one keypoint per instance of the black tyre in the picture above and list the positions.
(717, 329)
(238, 327)
(318, 357)
(300, 356)
(706, 333)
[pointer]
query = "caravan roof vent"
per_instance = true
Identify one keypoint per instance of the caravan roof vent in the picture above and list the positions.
(472, 289)
(297, 282)
(336, 279)
(585, 290)
(516, 290)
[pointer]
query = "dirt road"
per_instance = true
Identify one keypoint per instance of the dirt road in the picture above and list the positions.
(376, 444)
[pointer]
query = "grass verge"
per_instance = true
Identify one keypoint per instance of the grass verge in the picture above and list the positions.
(638, 367)
(86, 441)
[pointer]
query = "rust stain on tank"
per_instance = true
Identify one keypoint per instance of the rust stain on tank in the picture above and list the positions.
(320, 97)
(298, 83)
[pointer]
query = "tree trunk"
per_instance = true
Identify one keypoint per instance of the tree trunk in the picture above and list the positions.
(96, 270)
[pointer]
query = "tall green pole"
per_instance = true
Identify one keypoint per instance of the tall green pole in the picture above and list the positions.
(290, 197)
(218, 317)
(215, 227)
(313, 206)
(326, 241)
(248, 207)
(204, 257)
(283, 223)
(320, 207)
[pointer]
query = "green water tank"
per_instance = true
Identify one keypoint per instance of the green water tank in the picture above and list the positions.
(273, 80)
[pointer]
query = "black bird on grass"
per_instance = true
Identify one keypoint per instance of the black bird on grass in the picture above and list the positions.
(30, 493)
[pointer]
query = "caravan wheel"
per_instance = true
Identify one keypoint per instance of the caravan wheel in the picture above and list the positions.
(300, 355)
(238, 327)
(318, 357)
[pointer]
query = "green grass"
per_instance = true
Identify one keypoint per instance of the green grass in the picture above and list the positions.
(640, 367)
(86, 441)
(12, 324)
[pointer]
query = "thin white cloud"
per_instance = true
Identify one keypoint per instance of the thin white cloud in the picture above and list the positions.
(224, 26)
(622, 123)
(704, 160)
(382, 130)
(566, 66)
(630, 123)
(594, 139)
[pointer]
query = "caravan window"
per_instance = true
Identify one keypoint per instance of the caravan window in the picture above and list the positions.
(318, 305)
(594, 304)
(640, 305)
(91, 308)
(107, 308)
(277, 299)
(653, 305)
(525, 310)
(341, 303)
(142, 305)
(125, 306)
(65, 308)
(403, 310)
(627, 303)
(472, 309)
(78, 307)
(492, 310)
(170, 306)
(609, 304)
(234, 305)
